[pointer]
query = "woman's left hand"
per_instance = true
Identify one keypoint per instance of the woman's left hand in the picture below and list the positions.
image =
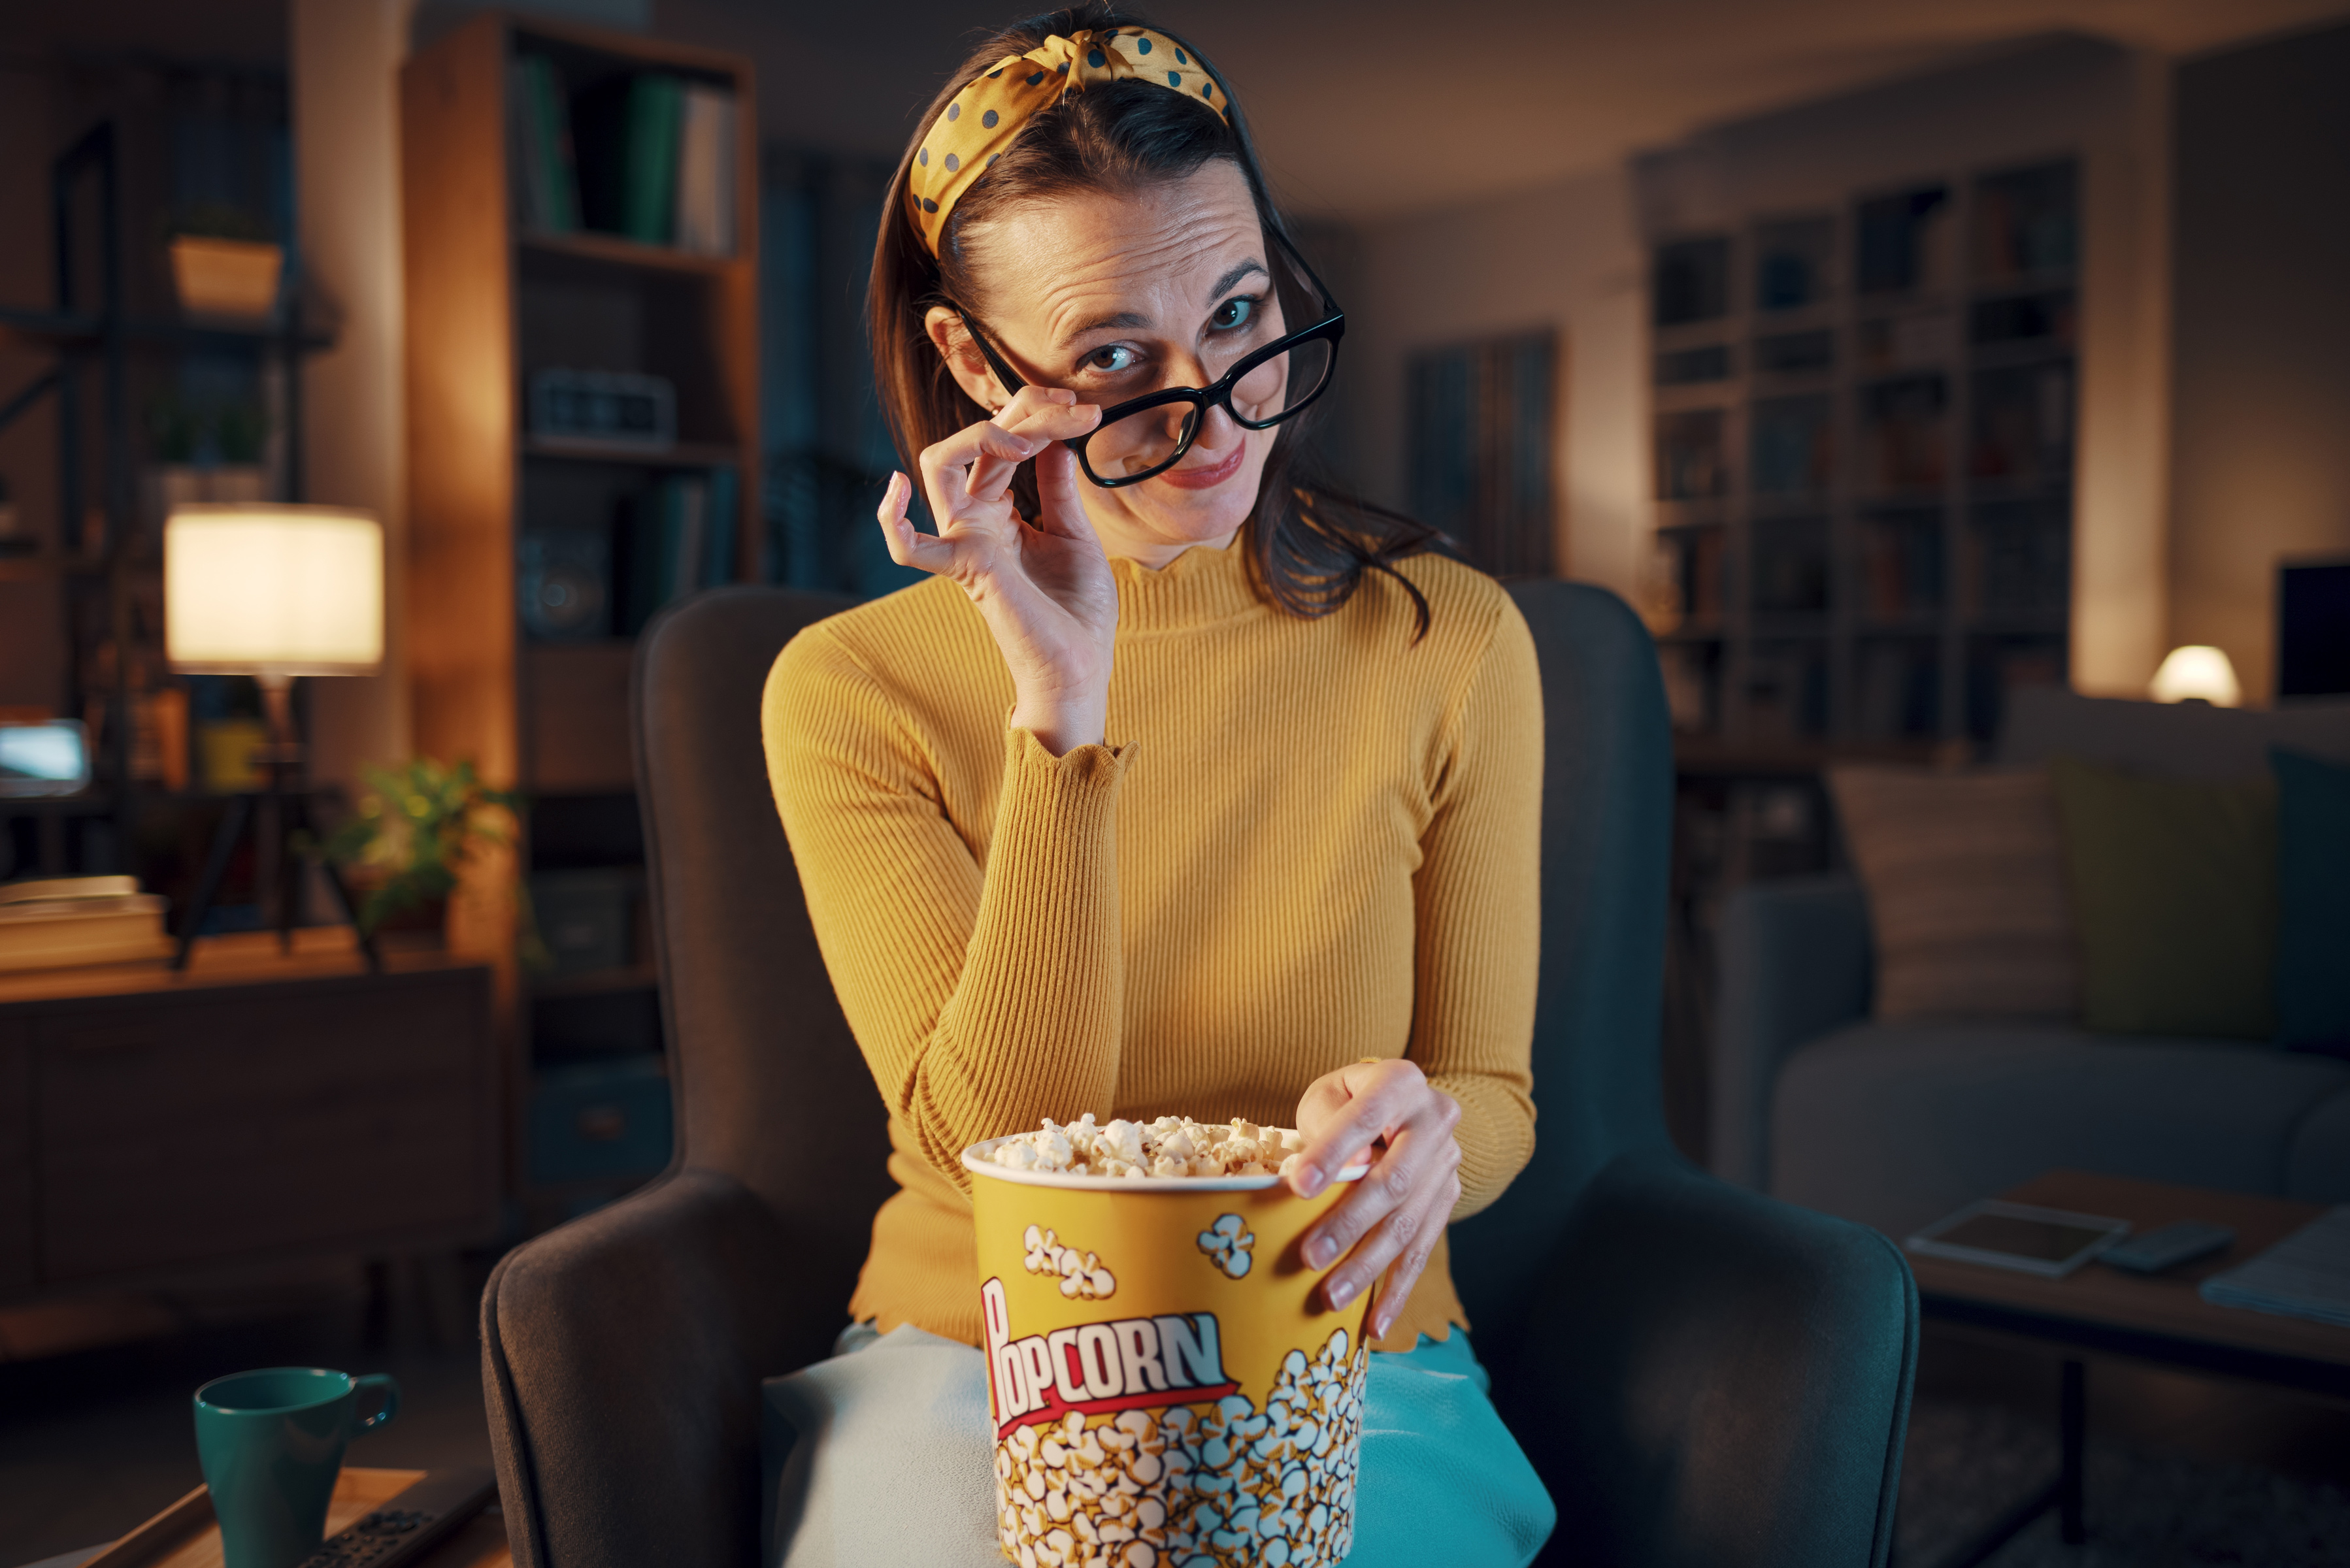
(1390, 1112)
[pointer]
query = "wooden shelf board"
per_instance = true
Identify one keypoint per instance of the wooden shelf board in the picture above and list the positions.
(679, 455)
(613, 249)
(246, 958)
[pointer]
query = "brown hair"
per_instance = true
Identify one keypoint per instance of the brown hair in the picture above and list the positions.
(1309, 543)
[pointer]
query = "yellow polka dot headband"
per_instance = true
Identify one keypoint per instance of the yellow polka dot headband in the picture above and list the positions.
(982, 121)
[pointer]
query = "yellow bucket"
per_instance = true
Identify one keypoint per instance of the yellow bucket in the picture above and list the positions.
(1167, 1389)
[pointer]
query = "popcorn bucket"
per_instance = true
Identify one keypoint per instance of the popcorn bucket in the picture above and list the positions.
(1167, 1387)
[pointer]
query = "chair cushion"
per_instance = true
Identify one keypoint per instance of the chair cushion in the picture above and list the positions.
(2175, 882)
(1967, 903)
(2317, 1167)
(1896, 1125)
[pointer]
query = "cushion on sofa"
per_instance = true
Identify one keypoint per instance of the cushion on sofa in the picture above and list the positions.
(2317, 1165)
(2175, 886)
(1895, 1125)
(2169, 740)
(2312, 964)
(1967, 901)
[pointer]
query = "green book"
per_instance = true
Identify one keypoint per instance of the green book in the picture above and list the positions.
(558, 178)
(649, 188)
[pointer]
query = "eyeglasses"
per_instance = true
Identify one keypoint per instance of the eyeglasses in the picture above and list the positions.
(1146, 436)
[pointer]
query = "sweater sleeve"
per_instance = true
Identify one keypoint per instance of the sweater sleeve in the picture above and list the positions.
(1478, 906)
(984, 997)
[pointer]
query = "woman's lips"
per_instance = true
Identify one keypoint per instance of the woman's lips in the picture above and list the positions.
(1208, 478)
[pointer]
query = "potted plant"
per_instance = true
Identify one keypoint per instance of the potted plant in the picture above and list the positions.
(414, 834)
(223, 264)
(203, 452)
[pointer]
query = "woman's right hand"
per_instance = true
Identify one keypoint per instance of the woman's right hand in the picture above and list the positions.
(1044, 586)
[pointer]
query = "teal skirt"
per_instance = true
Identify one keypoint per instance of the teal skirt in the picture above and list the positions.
(880, 1456)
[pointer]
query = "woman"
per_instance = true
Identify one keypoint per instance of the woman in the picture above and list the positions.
(1184, 788)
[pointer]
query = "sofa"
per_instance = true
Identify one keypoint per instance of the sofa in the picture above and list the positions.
(1895, 1124)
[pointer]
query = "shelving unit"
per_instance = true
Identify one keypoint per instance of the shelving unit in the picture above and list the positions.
(1864, 464)
(489, 303)
(108, 554)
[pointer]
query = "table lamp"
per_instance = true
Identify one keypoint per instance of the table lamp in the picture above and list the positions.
(273, 592)
(2197, 673)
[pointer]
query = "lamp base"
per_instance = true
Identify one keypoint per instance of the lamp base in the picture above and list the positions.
(276, 871)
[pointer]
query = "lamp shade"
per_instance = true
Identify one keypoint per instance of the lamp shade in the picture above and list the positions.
(253, 589)
(2197, 673)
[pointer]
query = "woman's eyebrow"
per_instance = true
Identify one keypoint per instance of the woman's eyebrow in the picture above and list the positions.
(1126, 318)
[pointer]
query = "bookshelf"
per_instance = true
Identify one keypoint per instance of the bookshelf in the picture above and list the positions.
(1863, 464)
(493, 299)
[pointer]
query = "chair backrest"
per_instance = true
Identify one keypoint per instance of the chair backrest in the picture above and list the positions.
(1606, 842)
(771, 1088)
(769, 1084)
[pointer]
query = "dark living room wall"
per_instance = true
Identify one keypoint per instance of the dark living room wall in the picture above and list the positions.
(2261, 425)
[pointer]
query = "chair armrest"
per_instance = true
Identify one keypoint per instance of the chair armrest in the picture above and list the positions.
(1794, 963)
(621, 1356)
(1722, 1379)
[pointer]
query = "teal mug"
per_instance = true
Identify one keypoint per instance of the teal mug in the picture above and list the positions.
(272, 1444)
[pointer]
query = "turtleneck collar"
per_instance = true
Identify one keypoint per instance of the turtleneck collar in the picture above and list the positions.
(1199, 588)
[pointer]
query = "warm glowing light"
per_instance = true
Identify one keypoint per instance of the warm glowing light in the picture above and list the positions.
(2197, 673)
(254, 589)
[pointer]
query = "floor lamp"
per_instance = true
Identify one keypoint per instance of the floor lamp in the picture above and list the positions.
(273, 592)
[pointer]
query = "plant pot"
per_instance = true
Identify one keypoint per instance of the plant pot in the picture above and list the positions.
(431, 916)
(226, 277)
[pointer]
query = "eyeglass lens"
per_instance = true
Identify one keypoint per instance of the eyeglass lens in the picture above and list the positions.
(1269, 392)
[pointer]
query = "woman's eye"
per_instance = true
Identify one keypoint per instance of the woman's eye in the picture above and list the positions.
(1233, 313)
(1117, 357)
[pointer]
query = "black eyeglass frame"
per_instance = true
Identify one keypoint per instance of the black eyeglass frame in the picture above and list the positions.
(1331, 329)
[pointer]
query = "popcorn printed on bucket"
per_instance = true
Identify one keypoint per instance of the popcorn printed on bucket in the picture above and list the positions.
(1227, 1244)
(1082, 1275)
(1212, 1486)
(1171, 1145)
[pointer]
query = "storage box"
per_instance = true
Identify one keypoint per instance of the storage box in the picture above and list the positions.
(598, 1120)
(586, 918)
(226, 277)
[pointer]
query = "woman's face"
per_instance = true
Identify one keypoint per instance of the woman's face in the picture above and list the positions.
(1116, 297)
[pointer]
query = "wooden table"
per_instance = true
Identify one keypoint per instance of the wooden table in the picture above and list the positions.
(184, 1535)
(2102, 1311)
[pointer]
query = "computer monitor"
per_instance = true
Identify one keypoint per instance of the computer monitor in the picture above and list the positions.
(2313, 628)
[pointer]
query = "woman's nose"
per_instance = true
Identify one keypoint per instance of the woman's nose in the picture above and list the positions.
(1217, 430)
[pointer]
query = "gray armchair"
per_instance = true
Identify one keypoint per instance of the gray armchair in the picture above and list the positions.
(1700, 1374)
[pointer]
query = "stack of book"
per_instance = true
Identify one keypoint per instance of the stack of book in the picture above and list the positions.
(65, 922)
(649, 156)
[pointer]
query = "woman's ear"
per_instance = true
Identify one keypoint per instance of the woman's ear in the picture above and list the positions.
(965, 363)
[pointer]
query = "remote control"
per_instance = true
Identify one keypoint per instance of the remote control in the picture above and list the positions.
(411, 1524)
(2168, 1247)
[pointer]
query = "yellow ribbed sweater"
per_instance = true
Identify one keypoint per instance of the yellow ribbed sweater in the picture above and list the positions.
(1306, 842)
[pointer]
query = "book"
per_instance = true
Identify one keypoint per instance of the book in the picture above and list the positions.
(649, 172)
(58, 890)
(78, 929)
(718, 559)
(704, 222)
(547, 181)
(2307, 1274)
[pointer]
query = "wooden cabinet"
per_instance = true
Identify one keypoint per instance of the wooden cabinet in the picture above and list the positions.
(152, 1125)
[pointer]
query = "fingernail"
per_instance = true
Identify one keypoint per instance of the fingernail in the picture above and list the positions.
(1341, 1291)
(1319, 1251)
(1380, 1329)
(1309, 1179)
